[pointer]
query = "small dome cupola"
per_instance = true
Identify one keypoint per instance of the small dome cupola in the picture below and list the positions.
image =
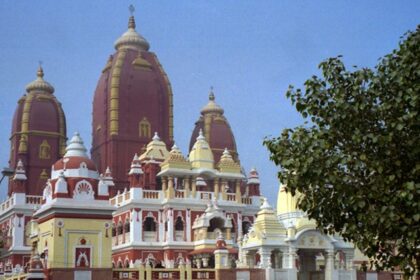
(131, 39)
(212, 106)
(40, 85)
(201, 155)
(76, 148)
(75, 162)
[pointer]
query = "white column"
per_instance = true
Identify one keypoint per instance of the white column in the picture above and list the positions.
(265, 257)
(329, 264)
(170, 219)
(188, 225)
(349, 258)
(161, 227)
(136, 193)
(289, 262)
(135, 226)
(239, 224)
(18, 231)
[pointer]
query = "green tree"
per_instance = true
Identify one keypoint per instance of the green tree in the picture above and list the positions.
(356, 159)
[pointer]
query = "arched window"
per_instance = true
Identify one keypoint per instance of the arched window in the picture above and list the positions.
(149, 224)
(114, 230)
(216, 223)
(120, 228)
(44, 150)
(145, 130)
(127, 226)
(179, 224)
(245, 227)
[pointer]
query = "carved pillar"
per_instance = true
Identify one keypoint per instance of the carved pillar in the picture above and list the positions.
(265, 257)
(171, 191)
(216, 188)
(223, 189)
(170, 221)
(193, 187)
(228, 234)
(188, 226)
(238, 191)
(164, 186)
(239, 224)
(187, 186)
(329, 264)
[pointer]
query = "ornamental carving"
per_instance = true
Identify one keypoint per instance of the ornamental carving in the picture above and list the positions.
(83, 191)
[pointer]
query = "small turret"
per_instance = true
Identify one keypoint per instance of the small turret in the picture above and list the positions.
(135, 173)
(227, 164)
(18, 183)
(201, 155)
(253, 183)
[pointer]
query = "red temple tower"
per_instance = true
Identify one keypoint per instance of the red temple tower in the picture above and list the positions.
(216, 129)
(38, 136)
(133, 99)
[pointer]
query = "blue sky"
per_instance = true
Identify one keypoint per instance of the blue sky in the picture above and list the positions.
(249, 51)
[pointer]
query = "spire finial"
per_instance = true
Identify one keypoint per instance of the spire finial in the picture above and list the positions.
(131, 21)
(40, 72)
(131, 9)
(211, 94)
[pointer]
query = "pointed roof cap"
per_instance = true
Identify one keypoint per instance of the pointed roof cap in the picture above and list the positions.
(20, 171)
(76, 148)
(201, 155)
(131, 39)
(212, 106)
(156, 150)
(40, 84)
(253, 177)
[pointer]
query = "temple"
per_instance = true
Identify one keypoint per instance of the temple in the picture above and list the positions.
(140, 208)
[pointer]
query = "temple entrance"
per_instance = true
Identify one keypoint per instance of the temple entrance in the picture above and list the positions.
(311, 264)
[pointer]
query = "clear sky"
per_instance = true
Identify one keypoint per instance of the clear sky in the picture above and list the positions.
(250, 51)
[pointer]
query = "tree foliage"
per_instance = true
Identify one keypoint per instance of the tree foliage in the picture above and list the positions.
(356, 160)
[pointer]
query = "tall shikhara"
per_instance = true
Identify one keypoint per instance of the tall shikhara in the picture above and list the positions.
(133, 99)
(38, 136)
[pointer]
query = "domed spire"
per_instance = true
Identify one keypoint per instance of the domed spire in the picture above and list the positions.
(40, 84)
(212, 107)
(131, 39)
(76, 148)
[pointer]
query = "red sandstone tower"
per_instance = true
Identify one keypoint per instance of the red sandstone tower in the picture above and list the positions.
(38, 136)
(216, 129)
(133, 99)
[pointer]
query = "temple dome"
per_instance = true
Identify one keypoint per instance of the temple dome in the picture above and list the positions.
(132, 39)
(133, 99)
(40, 84)
(38, 135)
(216, 130)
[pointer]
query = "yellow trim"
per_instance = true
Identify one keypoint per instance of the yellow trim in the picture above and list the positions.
(170, 97)
(23, 143)
(115, 92)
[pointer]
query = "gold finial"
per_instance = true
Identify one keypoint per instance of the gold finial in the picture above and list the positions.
(131, 21)
(211, 94)
(40, 72)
